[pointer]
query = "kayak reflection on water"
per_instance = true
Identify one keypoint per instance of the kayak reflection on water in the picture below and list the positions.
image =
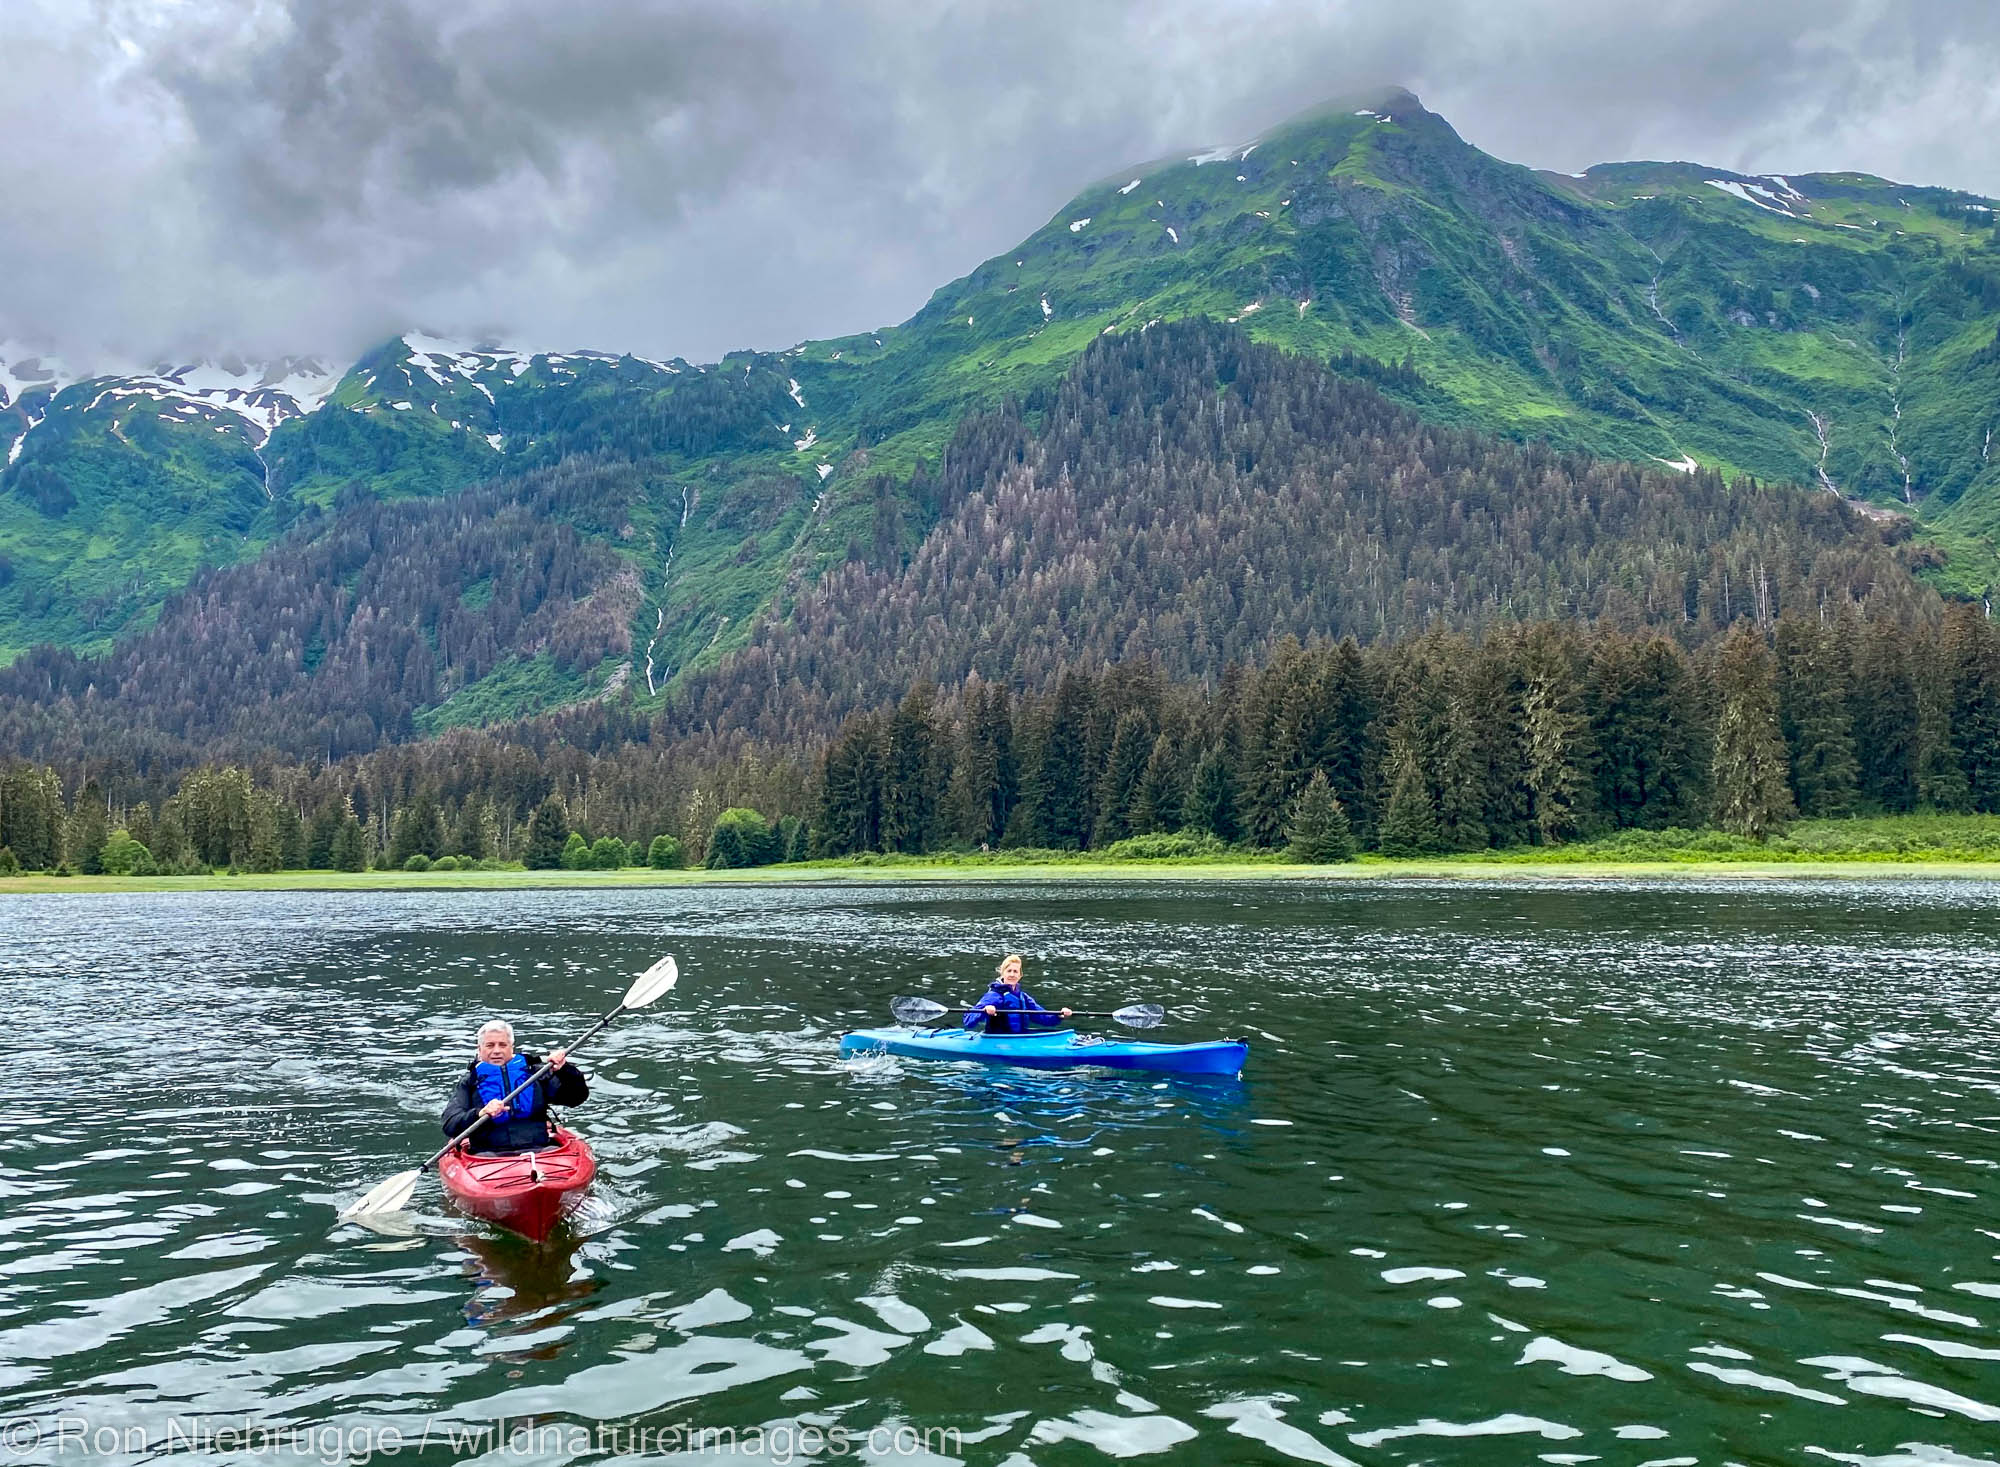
(516, 1279)
(523, 1123)
(1008, 1008)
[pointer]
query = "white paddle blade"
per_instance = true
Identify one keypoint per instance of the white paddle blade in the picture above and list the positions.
(1141, 1016)
(649, 985)
(390, 1196)
(916, 1010)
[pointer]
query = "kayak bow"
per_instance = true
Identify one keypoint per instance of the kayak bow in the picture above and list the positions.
(525, 1191)
(1051, 1049)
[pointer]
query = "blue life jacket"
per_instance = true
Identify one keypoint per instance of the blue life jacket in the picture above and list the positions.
(491, 1081)
(1019, 1011)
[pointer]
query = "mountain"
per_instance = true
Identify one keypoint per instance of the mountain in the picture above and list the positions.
(1836, 331)
(1184, 498)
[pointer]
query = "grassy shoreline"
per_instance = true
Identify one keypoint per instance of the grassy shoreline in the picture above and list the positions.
(1482, 867)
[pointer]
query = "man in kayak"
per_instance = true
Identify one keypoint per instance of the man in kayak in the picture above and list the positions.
(1008, 1008)
(523, 1123)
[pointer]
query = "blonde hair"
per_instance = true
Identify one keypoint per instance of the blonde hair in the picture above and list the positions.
(1014, 958)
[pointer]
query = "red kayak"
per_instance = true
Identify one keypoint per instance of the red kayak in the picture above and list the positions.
(527, 1191)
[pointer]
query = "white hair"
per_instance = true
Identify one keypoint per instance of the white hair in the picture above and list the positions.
(496, 1026)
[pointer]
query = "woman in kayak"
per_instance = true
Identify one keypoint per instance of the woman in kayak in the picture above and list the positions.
(1008, 1008)
(523, 1123)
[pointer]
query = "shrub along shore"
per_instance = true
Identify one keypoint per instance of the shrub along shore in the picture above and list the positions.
(1955, 846)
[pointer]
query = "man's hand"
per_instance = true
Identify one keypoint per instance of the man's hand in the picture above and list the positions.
(493, 1108)
(990, 1009)
(557, 1057)
(1065, 1013)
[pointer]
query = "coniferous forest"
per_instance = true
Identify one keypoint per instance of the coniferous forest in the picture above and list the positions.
(1200, 589)
(1528, 735)
(1182, 495)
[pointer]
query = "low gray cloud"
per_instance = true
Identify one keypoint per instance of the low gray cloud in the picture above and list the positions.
(674, 177)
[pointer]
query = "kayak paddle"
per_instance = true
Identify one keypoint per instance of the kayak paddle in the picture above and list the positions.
(1132, 1016)
(394, 1194)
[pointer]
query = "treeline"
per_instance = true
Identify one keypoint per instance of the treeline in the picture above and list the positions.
(1534, 734)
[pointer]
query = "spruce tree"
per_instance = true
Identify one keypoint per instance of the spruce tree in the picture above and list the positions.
(349, 851)
(1884, 699)
(1752, 792)
(992, 774)
(547, 833)
(910, 781)
(1555, 736)
(469, 834)
(850, 803)
(1647, 734)
(31, 816)
(1062, 782)
(291, 838)
(1125, 767)
(1813, 714)
(1409, 821)
(1211, 798)
(265, 848)
(1318, 833)
(89, 829)
(1161, 795)
(1969, 654)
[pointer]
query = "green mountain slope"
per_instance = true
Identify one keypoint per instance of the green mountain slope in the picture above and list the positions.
(1834, 330)
(1184, 499)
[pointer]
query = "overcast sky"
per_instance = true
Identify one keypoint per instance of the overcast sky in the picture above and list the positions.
(682, 178)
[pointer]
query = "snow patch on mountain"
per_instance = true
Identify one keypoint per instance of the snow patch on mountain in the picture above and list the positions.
(25, 372)
(1132, 185)
(260, 395)
(1748, 194)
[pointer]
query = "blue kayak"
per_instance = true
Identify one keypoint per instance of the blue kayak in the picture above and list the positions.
(1050, 1049)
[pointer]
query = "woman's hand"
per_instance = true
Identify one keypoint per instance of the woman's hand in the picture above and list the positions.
(992, 1011)
(1065, 1013)
(493, 1108)
(556, 1058)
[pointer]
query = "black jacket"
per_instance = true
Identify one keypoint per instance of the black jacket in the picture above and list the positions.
(566, 1086)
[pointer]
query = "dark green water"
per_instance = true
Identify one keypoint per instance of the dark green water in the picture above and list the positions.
(1598, 1172)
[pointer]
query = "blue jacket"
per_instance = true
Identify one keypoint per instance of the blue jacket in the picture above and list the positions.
(1009, 1023)
(525, 1127)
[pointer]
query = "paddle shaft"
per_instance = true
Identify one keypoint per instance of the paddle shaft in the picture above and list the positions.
(546, 1069)
(1051, 1013)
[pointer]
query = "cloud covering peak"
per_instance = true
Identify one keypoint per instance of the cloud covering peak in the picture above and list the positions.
(679, 178)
